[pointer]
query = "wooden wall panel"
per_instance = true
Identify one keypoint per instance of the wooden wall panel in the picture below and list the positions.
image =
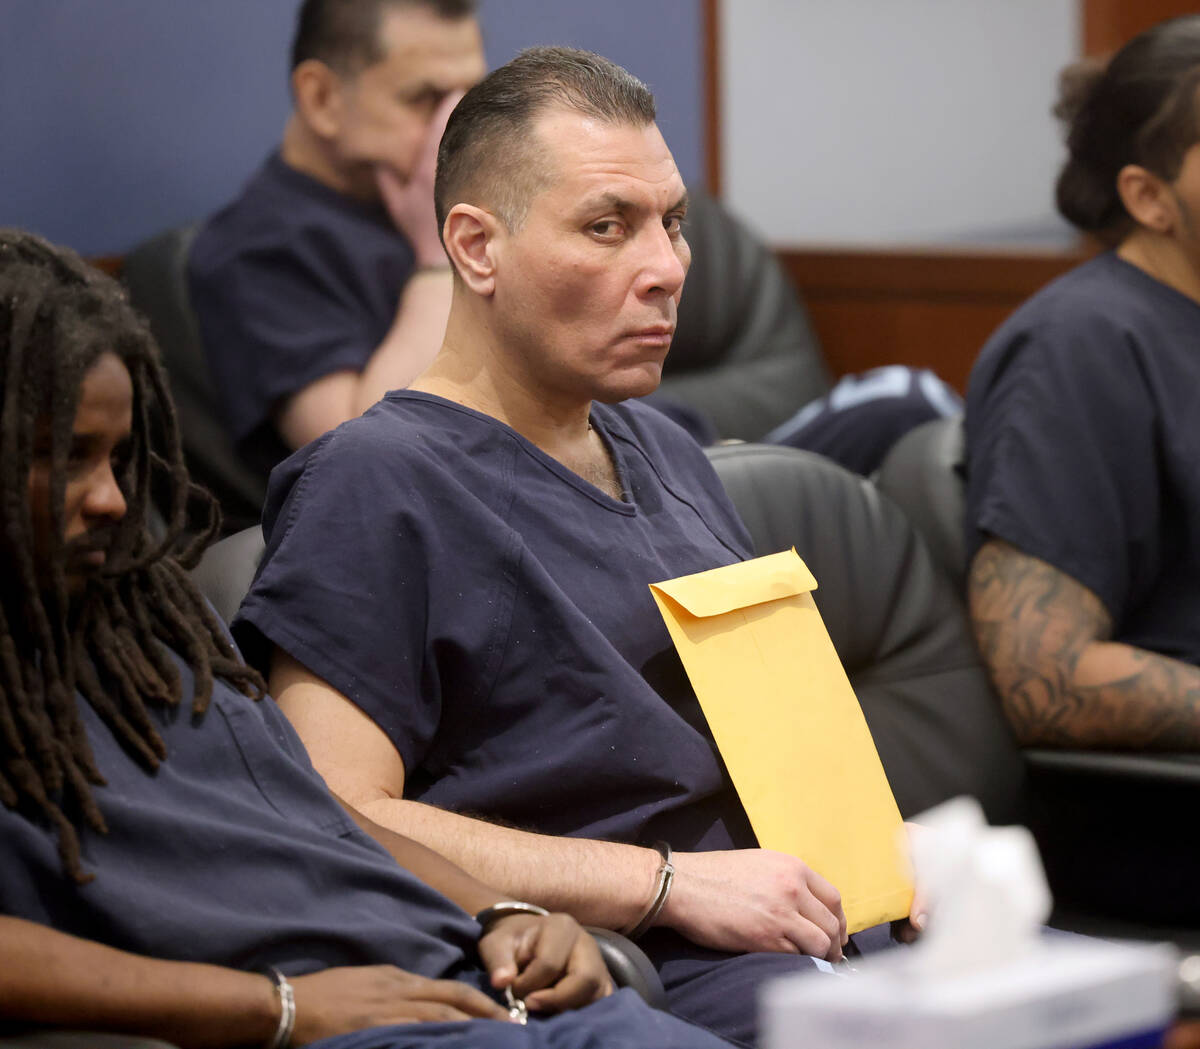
(110, 264)
(1107, 24)
(929, 308)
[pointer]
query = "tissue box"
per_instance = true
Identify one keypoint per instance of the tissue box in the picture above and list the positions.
(1066, 992)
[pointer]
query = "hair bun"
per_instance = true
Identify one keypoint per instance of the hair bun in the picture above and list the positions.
(1089, 203)
(1076, 85)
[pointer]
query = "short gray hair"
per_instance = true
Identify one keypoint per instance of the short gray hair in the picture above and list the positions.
(488, 153)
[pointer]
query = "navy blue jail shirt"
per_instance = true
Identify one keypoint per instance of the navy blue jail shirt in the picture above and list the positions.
(290, 282)
(490, 611)
(232, 853)
(1083, 439)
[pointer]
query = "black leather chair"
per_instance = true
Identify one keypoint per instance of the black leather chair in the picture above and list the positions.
(155, 273)
(1108, 823)
(923, 474)
(744, 352)
(227, 569)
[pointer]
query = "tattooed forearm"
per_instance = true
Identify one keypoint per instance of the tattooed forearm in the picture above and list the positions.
(1045, 641)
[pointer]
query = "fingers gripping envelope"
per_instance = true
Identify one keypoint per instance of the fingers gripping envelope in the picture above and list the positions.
(789, 727)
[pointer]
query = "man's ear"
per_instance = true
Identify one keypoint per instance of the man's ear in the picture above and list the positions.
(470, 235)
(317, 91)
(1147, 198)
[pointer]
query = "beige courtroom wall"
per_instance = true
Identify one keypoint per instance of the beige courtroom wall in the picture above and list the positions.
(893, 121)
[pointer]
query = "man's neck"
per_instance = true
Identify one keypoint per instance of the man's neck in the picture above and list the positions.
(469, 371)
(304, 152)
(1165, 259)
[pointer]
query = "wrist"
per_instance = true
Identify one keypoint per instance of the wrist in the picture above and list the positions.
(674, 913)
(641, 888)
(664, 878)
(489, 916)
(285, 1011)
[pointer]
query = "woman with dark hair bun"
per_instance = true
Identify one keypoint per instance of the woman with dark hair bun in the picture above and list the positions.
(1139, 110)
(1083, 429)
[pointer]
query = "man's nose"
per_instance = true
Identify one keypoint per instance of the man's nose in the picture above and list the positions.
(104, 497)
(664, 267)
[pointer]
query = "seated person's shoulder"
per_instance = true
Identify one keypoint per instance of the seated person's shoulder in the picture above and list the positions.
(393, 443)
(1104, 303)
(284, 210)
(260, 214)
(1084, 336)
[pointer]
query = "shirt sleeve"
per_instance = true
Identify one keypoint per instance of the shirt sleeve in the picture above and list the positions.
(1062, 457)
(274, 319)
(349, 602)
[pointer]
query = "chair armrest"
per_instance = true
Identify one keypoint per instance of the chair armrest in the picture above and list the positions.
(629, 967)
(1180, 769)
(1112, 830)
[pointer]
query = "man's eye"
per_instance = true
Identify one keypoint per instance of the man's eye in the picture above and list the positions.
(607, 228)
(673, 224)
(77, 456)
(427, 100)
(120, 458)
(76, 464)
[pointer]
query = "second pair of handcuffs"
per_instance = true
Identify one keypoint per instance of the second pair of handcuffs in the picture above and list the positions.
(518, 1012)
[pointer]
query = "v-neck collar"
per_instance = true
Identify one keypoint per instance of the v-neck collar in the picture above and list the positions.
(601, 422)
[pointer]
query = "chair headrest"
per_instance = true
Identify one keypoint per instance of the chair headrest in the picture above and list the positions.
(924, 475)
(227, 569)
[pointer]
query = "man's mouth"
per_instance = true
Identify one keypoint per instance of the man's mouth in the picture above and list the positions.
(654, 334)
(88, 552)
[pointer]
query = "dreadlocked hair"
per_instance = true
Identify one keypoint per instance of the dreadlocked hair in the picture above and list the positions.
(110, 641)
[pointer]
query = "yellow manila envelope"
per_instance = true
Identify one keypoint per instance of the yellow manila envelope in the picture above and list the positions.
(789, 727)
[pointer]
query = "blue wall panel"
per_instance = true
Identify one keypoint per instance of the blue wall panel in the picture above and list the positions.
(121, 117)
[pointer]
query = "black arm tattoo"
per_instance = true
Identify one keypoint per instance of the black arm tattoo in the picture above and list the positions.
(1046, 642)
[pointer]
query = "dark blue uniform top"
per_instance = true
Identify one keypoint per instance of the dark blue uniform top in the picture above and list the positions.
(290, 282)
(1083, 436)
(490, 610)
(232, 853)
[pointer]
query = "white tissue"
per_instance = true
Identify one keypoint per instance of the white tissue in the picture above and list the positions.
(983, 888)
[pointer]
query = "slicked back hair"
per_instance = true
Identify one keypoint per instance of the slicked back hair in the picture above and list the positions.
(109, 640)
(1138, 108)
(490, 157)
(345, 34)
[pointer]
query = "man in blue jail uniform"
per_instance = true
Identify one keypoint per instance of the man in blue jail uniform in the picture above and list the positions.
(453, 601)
(324, 284)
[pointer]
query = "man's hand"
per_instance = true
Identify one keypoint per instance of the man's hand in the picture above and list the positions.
(338, 1001)
(906, 930)
(550, 962)
(755, 900)
(409, 201)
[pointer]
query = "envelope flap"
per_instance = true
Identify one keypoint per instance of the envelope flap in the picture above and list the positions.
(741, 585)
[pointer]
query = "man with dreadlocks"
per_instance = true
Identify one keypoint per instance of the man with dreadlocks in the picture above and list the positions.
(171, 863)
